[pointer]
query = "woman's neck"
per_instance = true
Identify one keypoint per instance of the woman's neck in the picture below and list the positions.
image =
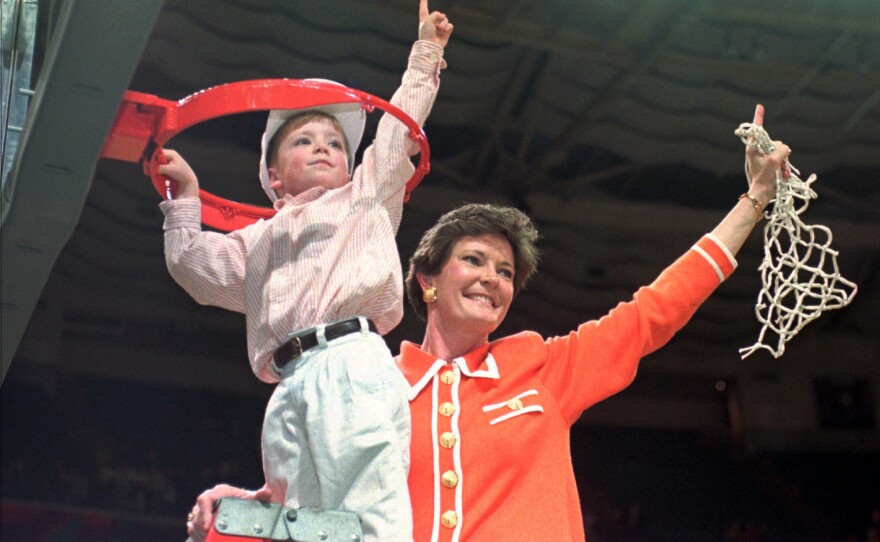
(445, 343)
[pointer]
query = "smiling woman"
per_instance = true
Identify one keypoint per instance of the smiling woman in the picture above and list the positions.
(474, 289)
(491, 420)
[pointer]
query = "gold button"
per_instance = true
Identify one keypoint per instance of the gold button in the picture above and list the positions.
(447, 409)
(447, 377)
(515, 404)
(449, 479)
(449, 519)
(448, 440)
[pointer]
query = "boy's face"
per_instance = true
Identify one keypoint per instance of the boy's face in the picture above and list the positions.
(308, 156)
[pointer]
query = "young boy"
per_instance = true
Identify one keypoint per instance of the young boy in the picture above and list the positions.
(319, 283)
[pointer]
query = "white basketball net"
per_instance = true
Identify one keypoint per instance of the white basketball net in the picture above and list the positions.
(799, 274)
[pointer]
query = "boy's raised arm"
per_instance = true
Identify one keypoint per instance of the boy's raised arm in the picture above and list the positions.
(386, 165)
(208, 265)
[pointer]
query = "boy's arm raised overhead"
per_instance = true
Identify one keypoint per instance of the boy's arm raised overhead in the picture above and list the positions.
(386, 164)
(208, 265)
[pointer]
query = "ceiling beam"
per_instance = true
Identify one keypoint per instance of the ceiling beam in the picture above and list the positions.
(588, 48)
(860, 21)
(782, 106)
(618, 84)
(529, 63)
(60, 145)
(860, 111)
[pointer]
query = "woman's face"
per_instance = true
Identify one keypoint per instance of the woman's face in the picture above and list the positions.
(475, 286)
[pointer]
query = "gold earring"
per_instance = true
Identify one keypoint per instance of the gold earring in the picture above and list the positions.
(430, 295)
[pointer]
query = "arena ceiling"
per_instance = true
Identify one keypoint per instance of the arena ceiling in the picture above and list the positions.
(610, 122)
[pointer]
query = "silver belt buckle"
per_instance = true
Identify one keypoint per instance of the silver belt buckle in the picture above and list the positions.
(297, 347)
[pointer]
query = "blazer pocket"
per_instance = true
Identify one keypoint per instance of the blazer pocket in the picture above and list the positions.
(515, 407)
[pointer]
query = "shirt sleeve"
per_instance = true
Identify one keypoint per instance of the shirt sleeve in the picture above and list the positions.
(386, 167)
(210, 266)
(601, 357)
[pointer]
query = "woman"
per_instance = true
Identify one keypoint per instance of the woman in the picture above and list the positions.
(490, 455)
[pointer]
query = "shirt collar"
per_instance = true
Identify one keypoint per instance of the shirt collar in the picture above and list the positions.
(419, 367)
(302, 198)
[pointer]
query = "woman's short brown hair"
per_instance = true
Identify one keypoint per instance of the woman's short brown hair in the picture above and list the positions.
(471, 220)
(292, 123)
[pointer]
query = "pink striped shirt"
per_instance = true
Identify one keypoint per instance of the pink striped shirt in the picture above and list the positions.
(326, 255)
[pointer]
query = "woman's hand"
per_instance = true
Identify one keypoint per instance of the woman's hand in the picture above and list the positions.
(202, 516)
(763, 169)
(433, 26)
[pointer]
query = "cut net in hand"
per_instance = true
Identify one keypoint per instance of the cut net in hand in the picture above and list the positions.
(799, 274)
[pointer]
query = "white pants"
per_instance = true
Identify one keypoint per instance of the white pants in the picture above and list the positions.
(336, 435)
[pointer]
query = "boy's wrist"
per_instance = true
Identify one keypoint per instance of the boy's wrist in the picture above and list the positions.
(187, 192)
(426, 56)
(182, 213)
(429, 46)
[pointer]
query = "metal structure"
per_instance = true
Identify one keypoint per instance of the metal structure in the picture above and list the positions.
(244, 520)
(74, 102)
(145, 123)
(18, 35)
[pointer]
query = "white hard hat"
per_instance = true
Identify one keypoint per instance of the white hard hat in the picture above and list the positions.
(351, 116)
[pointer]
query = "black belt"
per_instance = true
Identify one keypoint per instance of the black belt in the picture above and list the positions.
(297, 344)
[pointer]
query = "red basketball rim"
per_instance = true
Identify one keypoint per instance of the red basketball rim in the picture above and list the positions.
(264, 95)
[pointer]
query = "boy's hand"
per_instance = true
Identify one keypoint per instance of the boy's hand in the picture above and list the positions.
(433, 26)
(179, 171)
